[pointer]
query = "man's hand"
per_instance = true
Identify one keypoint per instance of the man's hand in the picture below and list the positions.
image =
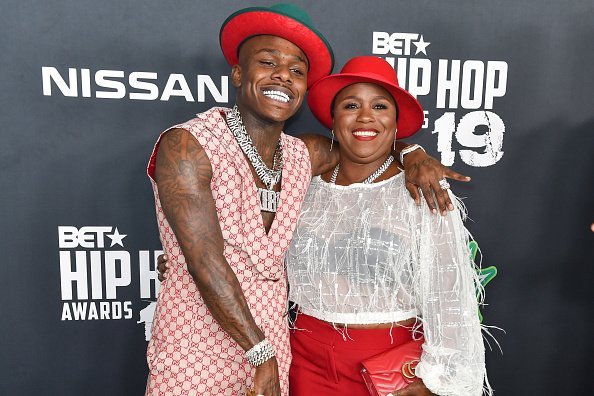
(417, 388)
(162, 267)
(424, 172)
(266, 380)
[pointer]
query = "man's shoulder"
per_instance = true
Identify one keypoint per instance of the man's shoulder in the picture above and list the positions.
(208, 118)
(209, 122)
(294, 143)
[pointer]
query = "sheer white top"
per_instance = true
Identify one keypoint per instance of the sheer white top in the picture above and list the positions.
(366, 253)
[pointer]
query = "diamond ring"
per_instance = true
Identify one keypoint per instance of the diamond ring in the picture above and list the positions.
(444, 185)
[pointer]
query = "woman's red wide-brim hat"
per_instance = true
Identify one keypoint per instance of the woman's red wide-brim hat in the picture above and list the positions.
(287, 21)
(366, 69)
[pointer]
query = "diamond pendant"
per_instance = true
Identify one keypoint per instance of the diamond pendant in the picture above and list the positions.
(269, 200)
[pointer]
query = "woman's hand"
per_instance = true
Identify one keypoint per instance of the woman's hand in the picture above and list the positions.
(416, 388)
(424, 172)
(162, 267)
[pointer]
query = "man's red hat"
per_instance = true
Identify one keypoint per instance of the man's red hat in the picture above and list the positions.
(282, 20)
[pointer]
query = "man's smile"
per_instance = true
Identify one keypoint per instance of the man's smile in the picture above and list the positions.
(277, 95)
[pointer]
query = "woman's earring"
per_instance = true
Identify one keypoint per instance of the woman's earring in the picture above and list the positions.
(332, 141)
(396, 131)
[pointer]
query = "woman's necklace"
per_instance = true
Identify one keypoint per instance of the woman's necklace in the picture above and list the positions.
(269, 199)
(371, 178)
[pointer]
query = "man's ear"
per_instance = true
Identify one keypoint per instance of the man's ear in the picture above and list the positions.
(236, 75)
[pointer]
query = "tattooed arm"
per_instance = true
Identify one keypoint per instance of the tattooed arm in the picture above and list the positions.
(183, 174)
(421, 171)
(322, 158)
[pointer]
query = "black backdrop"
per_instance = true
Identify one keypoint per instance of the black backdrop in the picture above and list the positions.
(87, 86)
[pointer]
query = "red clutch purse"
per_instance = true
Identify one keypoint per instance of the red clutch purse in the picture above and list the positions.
(392, 370)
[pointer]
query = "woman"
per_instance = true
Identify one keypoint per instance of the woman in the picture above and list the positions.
(366, 264)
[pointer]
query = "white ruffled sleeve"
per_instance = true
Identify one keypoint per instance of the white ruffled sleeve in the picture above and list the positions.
(453, 359)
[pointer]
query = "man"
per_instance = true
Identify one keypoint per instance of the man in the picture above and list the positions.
(228, 187)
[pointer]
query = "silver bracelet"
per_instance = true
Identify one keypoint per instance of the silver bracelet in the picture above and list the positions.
(409, 149)
(260, 353)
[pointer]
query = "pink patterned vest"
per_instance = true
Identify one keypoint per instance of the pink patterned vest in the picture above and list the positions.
(188, 350)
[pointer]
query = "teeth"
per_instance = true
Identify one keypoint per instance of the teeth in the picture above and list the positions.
(365, 133)
(277, 95)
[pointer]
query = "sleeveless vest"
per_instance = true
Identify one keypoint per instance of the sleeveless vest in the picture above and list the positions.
(183, 327)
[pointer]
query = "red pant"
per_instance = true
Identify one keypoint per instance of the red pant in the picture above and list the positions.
(325, 364)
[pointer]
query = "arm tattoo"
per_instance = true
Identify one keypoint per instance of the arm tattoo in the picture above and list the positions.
(322, 159)
(183, 174)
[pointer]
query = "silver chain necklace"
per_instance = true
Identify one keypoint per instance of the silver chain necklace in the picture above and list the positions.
(372, 177)
(269, 199)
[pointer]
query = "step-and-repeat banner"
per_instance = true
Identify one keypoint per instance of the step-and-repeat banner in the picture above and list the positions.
(86, 87)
